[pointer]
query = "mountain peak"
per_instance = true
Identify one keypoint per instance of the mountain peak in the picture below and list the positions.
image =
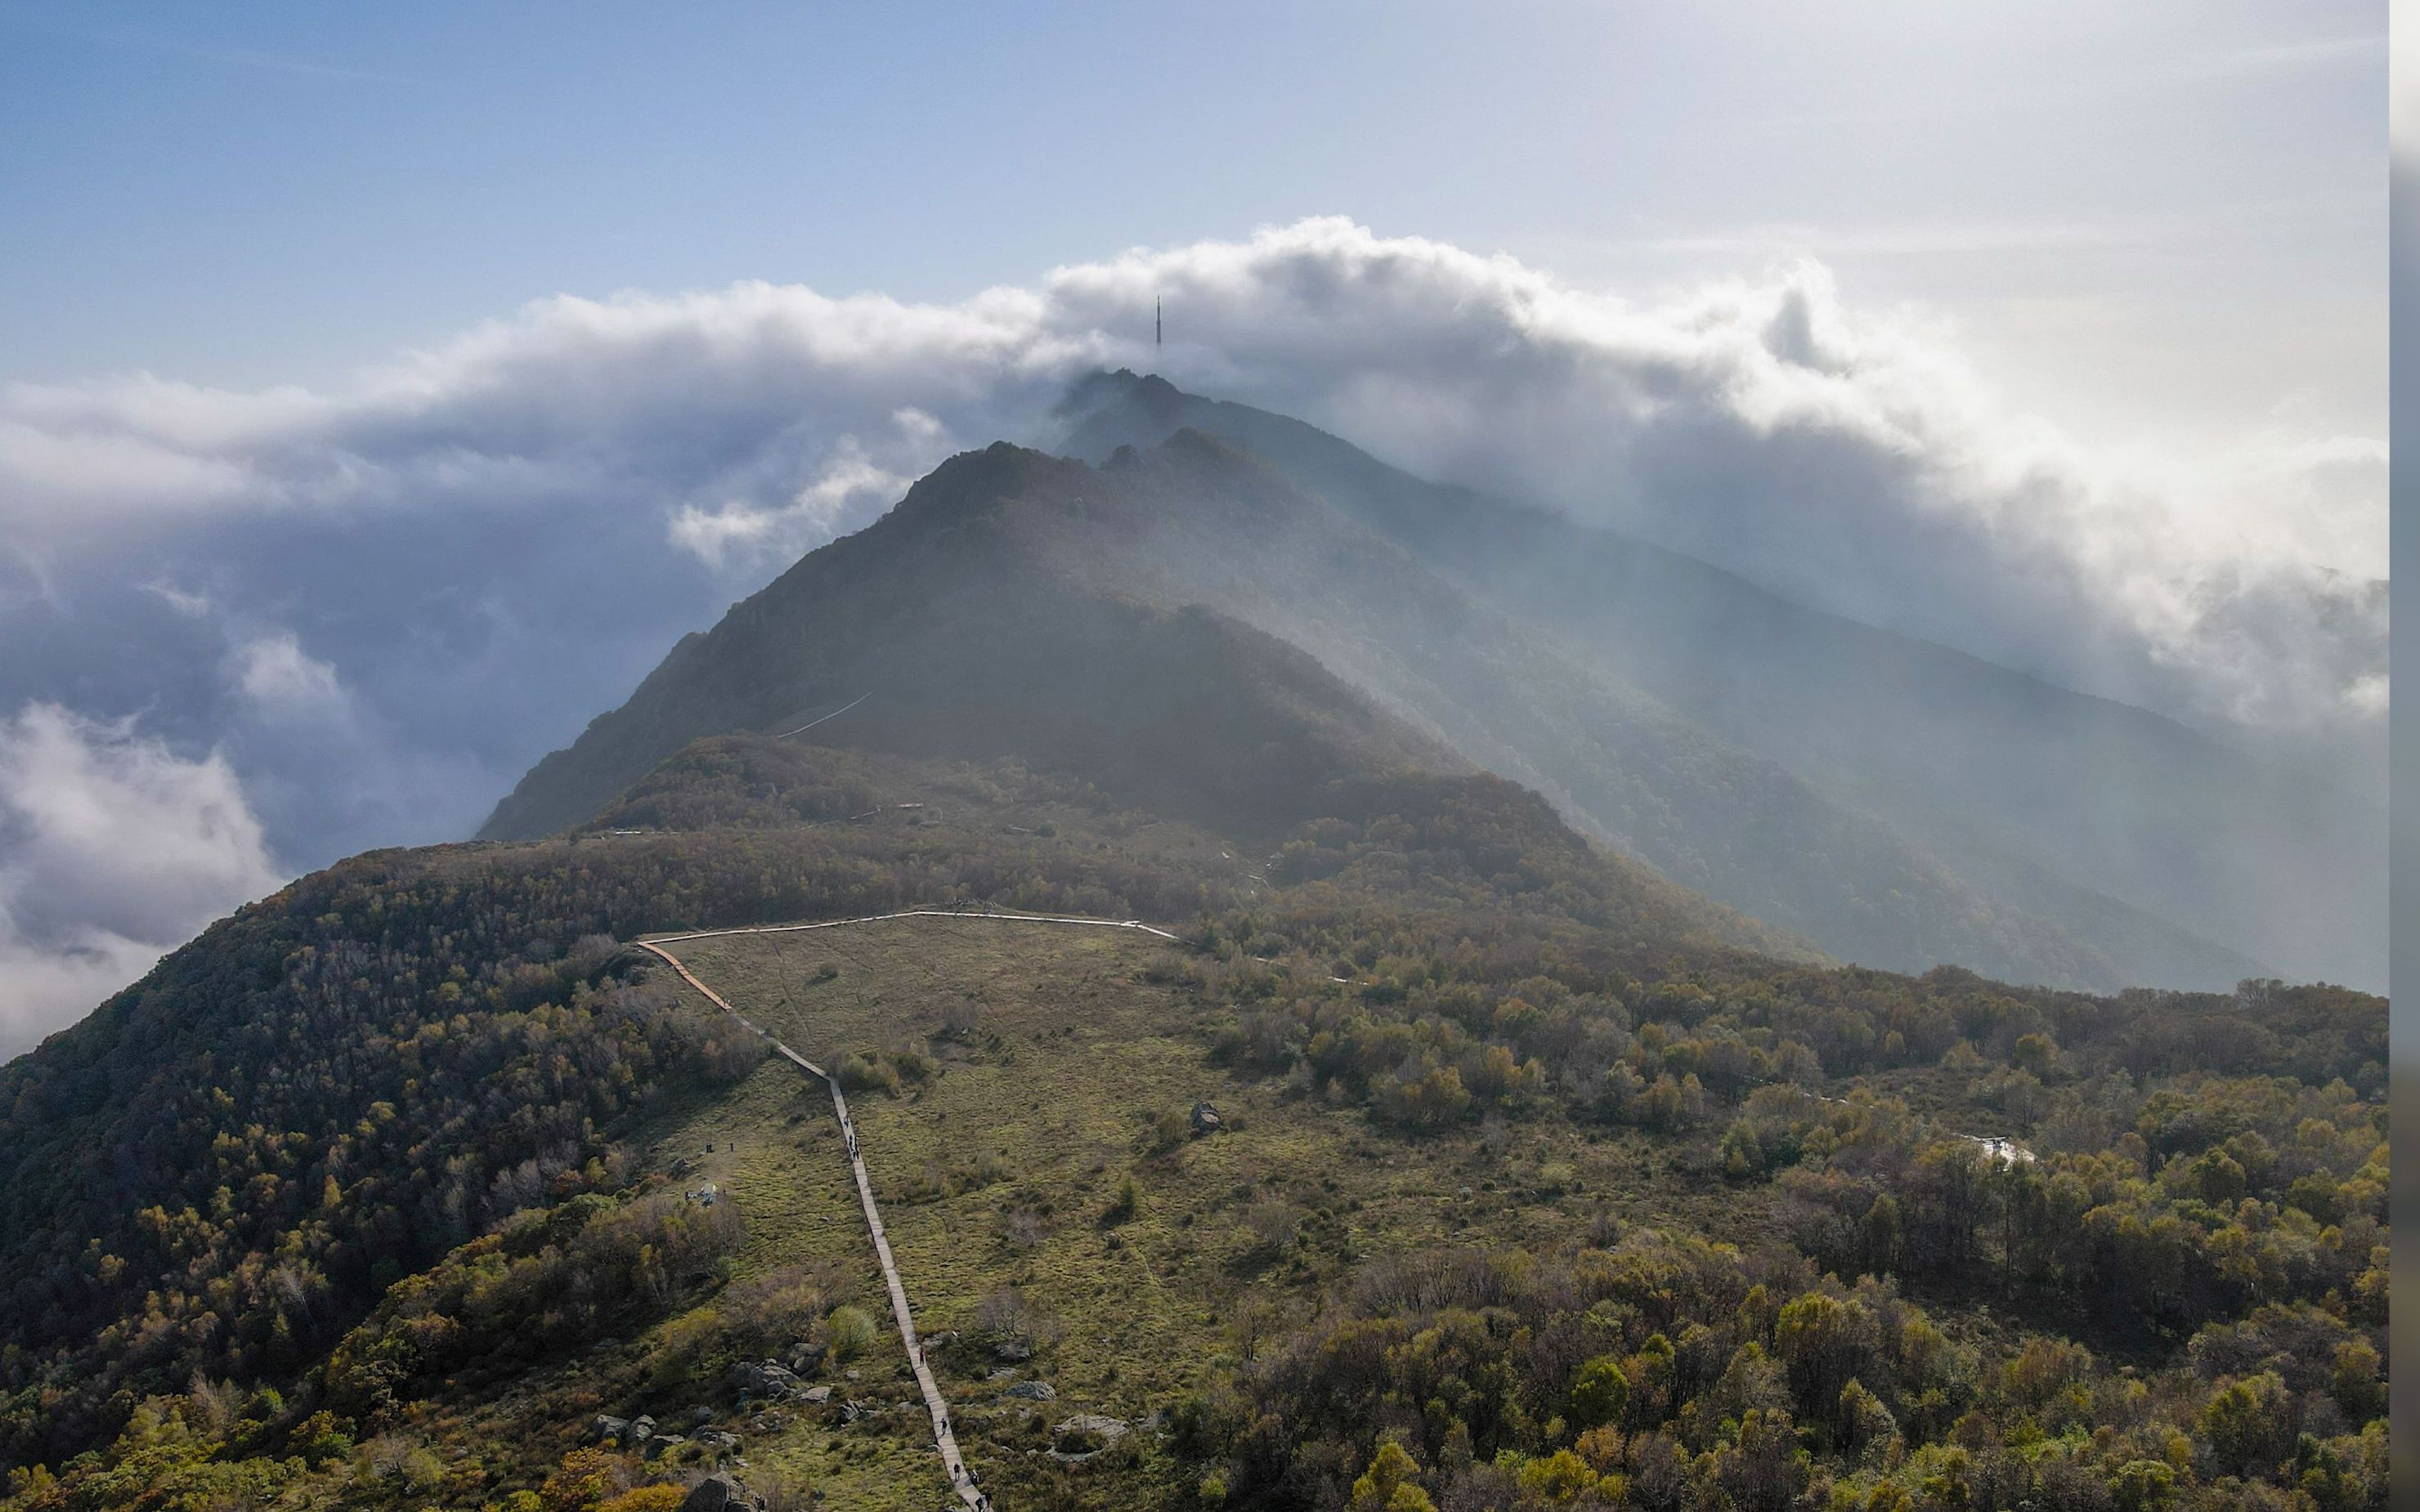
(973, 489)
(1106, 385)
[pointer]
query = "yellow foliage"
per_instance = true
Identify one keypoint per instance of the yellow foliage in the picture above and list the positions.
(586, 1478)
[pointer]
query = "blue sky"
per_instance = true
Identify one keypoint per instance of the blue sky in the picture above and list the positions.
(2152, 218)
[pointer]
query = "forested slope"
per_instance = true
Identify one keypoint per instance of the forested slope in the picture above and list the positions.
(229, 1161)
(352, 1202)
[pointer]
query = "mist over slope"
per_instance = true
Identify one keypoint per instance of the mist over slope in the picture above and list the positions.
(1016, 604)
(2056, 802)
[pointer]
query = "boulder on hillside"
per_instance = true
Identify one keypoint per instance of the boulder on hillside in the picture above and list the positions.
(805, 1357)
(716, 1494)
(762, 1378)
(1206, 1119)
(1086, 1434)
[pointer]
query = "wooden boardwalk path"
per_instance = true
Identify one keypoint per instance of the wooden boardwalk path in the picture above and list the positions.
(962, 1481)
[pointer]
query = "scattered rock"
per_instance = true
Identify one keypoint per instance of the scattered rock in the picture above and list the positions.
(1005, 1372)
(1034, 1391)
(817, 1394)
(1013, 1350)
(717, 1440)
(1206, 1118)
(707, 1195)
(637, 1432)
(682, 1167)
(852, 1409)
(771, 1422)
(762, 1378)
(605, 1428)
(658, 1443)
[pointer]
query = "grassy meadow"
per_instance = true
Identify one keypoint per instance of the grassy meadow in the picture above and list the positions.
(1038, 1148)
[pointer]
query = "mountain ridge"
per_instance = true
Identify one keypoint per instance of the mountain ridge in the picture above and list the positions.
(2072, 803)
(987, 554)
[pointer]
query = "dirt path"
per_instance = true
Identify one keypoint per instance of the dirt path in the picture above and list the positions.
(961, 1481)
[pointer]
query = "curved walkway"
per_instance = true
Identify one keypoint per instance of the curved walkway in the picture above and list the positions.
(960, 1480)
(911, 913)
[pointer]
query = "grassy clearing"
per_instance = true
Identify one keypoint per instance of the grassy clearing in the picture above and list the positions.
(772, 1146)
(1056, 1067)
(1043, 1071)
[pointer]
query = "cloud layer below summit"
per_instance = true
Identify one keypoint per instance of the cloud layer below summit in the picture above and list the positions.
(371, 605)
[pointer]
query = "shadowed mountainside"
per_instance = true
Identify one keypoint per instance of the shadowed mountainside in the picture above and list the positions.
(960, 643)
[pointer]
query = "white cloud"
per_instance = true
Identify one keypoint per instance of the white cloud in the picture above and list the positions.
(191, 606)
(113, 850)
(280, 680)
(1849, 458)
(741, 532)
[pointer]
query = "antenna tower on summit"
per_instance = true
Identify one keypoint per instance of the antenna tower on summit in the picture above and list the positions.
(1157, 339)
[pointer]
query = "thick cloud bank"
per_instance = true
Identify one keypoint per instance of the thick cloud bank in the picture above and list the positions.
(382, 600)
(1849, 458)
(113, 850)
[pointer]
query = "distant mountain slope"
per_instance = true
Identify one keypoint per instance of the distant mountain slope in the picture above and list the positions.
(1220, 526)
(2116, 825)
(1144, 626)
(960, 643)
(958, 628)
